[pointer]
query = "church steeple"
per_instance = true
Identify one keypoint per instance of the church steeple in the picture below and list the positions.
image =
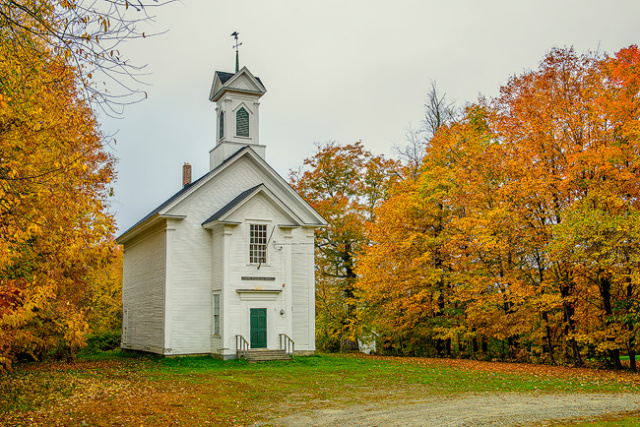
(237, 97)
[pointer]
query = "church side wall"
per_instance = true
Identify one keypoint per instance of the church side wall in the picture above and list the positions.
(191, 310)
(143, 303)
(303, 286)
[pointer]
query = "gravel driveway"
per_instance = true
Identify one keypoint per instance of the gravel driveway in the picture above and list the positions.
(510, 409)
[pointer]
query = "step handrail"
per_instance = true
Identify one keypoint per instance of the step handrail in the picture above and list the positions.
(287, 344)
(242, 346)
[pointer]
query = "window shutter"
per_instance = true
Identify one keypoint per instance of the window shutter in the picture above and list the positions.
(242, 122)
(221, 126)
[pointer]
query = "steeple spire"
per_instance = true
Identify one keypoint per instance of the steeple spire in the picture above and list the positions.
(236, 46)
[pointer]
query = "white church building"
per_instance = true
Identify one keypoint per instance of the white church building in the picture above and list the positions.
(226, 265)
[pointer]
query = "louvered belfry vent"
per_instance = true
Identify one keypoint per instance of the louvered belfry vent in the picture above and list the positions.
(242, 122)
(221, 126)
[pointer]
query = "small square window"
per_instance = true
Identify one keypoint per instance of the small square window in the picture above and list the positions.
(257, 243)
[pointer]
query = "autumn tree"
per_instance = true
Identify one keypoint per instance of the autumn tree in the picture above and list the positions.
(521, 228)
(345, 184)
(621, 106)
(413, 270)
(104, 296)
(54, 178)
(568, 168)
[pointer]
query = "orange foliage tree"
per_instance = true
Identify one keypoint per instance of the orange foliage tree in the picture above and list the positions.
(521, 230)
(345, 184)
(54, 178)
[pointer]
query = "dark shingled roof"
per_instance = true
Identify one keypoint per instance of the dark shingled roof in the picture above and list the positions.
(224, 77)
(179, 193)
(232, 204)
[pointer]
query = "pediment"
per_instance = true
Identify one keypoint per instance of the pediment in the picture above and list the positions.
(260, 201)
(245, 106)
(242, 81)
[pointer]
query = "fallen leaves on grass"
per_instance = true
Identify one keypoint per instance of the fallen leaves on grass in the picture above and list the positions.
(586, 376)
(202, 391)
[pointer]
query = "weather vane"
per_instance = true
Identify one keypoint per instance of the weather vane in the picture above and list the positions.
(236, 46)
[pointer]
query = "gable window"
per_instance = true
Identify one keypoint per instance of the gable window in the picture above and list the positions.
(242, 122)
(216, 314)
(257, 243)
(221, 126)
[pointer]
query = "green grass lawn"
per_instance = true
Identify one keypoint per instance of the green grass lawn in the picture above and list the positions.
(120, 389)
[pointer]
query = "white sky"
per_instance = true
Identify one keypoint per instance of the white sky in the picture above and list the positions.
(341, 70)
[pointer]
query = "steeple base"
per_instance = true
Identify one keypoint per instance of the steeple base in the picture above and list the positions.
(226, 149)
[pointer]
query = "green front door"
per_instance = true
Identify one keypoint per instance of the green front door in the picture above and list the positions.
(258, 328)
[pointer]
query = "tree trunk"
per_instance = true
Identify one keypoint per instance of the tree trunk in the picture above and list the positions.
(605, 293)
(545, 317)
(631, 343)
(569, 326)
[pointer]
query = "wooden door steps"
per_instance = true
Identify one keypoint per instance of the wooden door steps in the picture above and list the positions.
(263, 355)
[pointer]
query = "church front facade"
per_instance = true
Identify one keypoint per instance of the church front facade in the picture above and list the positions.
(227, 263)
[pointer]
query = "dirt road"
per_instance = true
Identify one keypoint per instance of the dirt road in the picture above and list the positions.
(512, 409)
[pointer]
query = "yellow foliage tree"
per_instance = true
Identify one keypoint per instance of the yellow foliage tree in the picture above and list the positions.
(54, 177)
(105, 295)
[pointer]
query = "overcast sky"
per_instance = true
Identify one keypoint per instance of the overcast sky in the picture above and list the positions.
(334, 70)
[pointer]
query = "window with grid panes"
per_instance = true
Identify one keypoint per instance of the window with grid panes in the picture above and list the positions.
(257, 243)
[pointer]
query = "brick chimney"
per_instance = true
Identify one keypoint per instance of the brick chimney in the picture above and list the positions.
(186, 174)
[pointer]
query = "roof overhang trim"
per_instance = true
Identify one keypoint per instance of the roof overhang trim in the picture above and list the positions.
(258, 291)
(147, 225)
(211, 225)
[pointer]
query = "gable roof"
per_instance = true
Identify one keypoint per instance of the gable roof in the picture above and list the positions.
(224, 77)
(161, 210)
(242, 81)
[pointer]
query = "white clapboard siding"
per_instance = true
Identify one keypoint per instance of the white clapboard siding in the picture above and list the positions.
(304, 291)
(143, 292)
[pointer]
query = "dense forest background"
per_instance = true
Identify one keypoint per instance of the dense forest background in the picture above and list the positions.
(509, 231)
